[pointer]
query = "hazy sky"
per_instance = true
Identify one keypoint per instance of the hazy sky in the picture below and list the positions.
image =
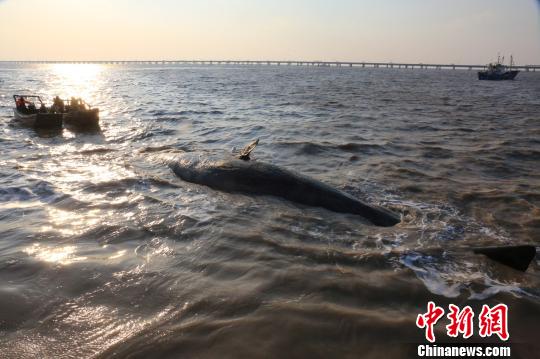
(448, 31)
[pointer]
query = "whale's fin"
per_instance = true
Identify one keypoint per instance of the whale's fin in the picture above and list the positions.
(246, 151)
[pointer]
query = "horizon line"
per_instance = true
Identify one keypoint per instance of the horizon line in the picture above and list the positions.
(269, 62)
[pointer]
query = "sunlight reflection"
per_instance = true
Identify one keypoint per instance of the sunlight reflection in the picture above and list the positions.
(71, 223)
(20, 204)
(61, 255)
(78, 80)
(118, 254)
(78, 170)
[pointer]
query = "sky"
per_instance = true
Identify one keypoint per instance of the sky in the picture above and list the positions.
(428, 31)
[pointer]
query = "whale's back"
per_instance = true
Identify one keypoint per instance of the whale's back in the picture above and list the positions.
(261, 178)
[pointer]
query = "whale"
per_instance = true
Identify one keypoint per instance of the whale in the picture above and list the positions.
(235, 175)
(259, 178)
(240, 174)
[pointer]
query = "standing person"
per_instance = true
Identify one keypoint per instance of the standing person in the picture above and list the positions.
(74, 104)
(20, 103)
(43, 108)
(58, 105)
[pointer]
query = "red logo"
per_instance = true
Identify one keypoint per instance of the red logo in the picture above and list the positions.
(490, 321)
(494, 321)
(429, 319)
(460, 321)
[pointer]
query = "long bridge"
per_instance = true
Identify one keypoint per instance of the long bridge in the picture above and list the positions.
(391, 65)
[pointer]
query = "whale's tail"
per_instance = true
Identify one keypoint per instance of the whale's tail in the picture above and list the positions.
(517, 257)
(246, 151)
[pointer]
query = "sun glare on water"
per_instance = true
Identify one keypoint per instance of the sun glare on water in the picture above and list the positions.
(60, 255)
(77, 80)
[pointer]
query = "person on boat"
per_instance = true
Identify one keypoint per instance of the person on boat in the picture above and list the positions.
(58, 105)
(80, 102)
(23, 105)
(74, 104)
(42, 108)
(20, 103)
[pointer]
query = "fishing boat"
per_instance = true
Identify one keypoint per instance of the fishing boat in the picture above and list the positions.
(27, 114)
(79, 114)
(498, 71)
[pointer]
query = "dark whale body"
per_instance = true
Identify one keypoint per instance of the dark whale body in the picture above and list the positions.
(235, 175)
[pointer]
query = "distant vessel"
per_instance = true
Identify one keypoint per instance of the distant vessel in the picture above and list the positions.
(498, 71)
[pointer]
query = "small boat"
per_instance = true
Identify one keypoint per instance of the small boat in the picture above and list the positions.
(26, 113)
(498, 71)
(78, 113)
